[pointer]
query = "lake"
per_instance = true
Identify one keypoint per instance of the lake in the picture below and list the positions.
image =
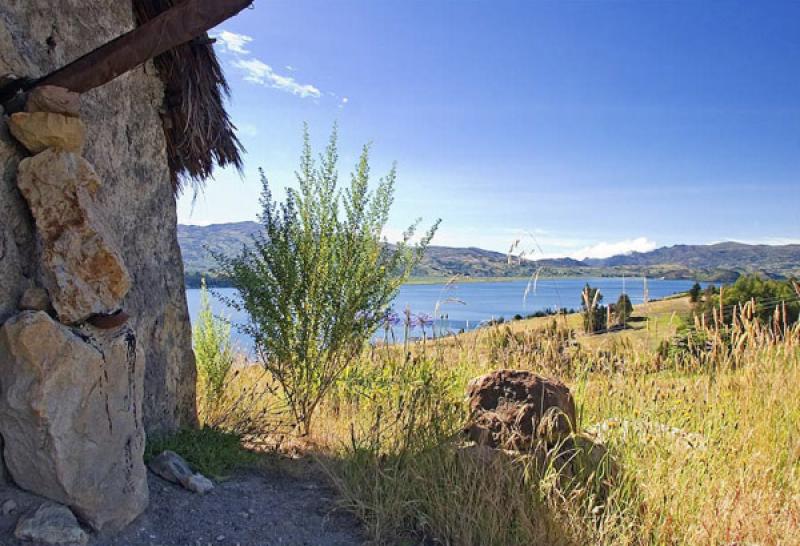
(466, 306)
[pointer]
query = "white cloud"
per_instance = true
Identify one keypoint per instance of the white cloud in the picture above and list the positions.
(258, 72)
(230, 42)
(532, 244)
(606, 250)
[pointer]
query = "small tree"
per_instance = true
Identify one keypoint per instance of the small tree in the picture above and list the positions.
(694, 292)
(317, 281)
(213, 350)
(594, 314)
(623, 309)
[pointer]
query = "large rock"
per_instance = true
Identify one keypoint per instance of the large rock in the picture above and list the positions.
(82, 269)
(125, 144)
(38, 131)
(71, 416)
(516, 408)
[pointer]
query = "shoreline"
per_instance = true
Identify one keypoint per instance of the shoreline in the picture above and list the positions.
(470, 280)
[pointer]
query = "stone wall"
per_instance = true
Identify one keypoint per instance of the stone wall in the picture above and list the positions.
(126, 145)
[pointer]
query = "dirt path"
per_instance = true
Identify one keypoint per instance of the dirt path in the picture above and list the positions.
(253, 508)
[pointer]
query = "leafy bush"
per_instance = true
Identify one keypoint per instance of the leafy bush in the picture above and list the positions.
(623, 309)
(762, 295)
(315, 283)
(694, 293)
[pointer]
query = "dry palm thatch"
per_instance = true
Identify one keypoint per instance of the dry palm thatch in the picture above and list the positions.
(198, 130)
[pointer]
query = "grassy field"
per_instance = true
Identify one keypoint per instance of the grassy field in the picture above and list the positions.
(703, 442)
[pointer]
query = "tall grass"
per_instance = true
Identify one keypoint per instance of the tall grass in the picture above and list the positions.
(705, 444)
(698, 444)
(214, 354)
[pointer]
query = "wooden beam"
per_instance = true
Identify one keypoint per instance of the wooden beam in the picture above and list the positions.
(173, 27)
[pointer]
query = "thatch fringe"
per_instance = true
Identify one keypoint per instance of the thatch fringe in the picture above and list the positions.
(197, 127)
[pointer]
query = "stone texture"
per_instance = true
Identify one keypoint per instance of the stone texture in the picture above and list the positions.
(50, 524)
(125, 144)
(516, 408)
(173, 468)
(59, 187)
(49, 98)
(9, 507)
(198, 484)
(71, 417)
(35, 299)
(84, 275)
(38, 131)
(82, 270)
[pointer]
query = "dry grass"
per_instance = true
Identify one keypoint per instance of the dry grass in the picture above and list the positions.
(706, 446)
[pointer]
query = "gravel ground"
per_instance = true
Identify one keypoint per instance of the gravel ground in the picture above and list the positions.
(252, 508)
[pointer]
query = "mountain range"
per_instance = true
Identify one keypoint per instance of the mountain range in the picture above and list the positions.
(721, 262)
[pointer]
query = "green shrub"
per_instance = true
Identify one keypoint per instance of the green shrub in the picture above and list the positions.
(623, 309)
(316, 282)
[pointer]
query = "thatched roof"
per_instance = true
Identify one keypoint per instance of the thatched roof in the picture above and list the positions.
(198, 130)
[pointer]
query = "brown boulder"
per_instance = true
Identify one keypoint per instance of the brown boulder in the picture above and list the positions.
(516, 408)
(38, 131)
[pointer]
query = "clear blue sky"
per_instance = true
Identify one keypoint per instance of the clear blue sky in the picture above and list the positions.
(596, 126)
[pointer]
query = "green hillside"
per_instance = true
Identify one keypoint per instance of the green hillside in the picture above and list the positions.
(719, 262)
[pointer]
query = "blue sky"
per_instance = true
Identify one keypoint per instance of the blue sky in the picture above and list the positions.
(583, 128)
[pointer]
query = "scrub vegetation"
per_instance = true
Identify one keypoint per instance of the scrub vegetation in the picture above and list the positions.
(698, 418)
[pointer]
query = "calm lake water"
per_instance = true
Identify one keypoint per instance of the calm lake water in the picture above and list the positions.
(466, 306)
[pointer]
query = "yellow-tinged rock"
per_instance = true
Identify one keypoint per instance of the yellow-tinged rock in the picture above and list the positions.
(82, 268)
(38, 131)
(58, 187)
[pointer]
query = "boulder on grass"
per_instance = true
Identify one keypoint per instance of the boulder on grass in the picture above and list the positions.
(516, 409)
(71, 416)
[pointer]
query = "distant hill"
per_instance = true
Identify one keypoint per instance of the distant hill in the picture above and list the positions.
(721, 262)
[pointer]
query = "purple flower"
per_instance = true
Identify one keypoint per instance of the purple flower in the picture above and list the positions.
(424, 319)
(390, 318)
